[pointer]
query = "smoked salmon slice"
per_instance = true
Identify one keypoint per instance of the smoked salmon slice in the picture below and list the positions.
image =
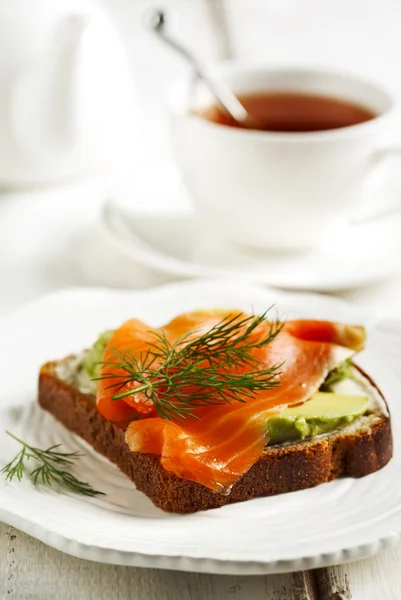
(226, 440)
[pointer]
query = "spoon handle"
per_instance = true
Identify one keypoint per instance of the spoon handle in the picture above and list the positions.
(222, 93)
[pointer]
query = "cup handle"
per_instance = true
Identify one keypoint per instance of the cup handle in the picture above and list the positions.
(378, 159)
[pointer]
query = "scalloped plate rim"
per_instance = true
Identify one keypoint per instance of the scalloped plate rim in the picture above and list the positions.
(182, 562)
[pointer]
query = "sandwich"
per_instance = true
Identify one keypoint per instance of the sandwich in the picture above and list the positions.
(220, 406)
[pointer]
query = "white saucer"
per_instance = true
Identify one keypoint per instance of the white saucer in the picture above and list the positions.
(169, 237)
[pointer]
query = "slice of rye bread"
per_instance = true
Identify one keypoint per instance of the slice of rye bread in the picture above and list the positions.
(354, 451)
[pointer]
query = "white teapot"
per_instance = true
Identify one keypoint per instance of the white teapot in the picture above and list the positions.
(66, 98)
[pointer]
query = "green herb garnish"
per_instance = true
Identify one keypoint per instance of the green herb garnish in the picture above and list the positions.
(214, 368)
(52, 470)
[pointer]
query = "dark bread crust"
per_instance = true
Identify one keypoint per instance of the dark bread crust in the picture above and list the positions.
(280, 469)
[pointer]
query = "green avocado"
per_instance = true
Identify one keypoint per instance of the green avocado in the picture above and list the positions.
(323, 413)
(94, 356)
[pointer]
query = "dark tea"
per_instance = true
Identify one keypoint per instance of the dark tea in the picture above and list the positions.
(294, 112)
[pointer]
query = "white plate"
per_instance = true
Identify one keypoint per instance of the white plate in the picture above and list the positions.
(332, 523)
(175, 242)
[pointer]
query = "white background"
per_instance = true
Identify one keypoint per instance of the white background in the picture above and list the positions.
(50, 240)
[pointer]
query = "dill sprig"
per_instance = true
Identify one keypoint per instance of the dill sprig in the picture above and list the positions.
(213, 368)
(52, 470)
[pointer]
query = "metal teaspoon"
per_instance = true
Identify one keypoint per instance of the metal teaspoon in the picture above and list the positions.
(156, 22)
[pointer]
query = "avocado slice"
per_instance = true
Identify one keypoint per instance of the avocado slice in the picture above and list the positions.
(323, 413)
(93, 358)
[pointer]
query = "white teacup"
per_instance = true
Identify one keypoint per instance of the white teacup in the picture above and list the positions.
(281, 190)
